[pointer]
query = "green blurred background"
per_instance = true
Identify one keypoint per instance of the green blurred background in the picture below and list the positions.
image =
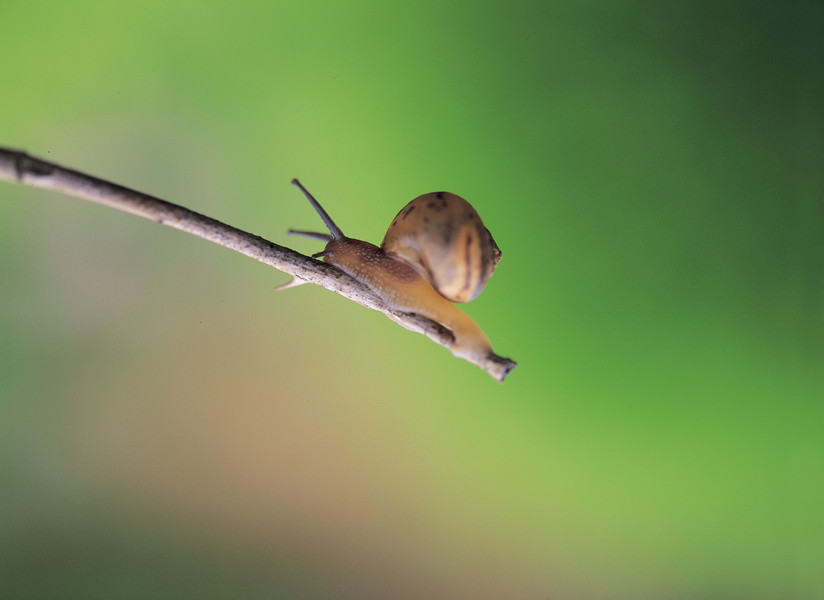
(170, 426)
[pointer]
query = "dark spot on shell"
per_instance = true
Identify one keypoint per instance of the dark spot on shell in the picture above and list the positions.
(446, 235)
(408, 210)
(439, 203)
(468, 260)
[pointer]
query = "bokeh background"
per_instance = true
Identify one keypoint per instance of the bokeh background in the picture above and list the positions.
(172, 427)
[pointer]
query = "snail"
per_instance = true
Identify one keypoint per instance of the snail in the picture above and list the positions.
(436, 252)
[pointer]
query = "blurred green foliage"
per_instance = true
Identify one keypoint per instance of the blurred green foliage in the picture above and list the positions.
(652, 172)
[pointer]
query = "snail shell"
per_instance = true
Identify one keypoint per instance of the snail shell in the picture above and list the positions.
(442, 236)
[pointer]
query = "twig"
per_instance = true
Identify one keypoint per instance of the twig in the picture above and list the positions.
(18, 167)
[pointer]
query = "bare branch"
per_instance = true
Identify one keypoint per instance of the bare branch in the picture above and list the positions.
(18, 167)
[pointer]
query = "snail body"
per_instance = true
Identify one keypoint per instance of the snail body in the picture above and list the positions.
(435, 252)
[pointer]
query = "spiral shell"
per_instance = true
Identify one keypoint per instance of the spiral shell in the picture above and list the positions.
(443, 237)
